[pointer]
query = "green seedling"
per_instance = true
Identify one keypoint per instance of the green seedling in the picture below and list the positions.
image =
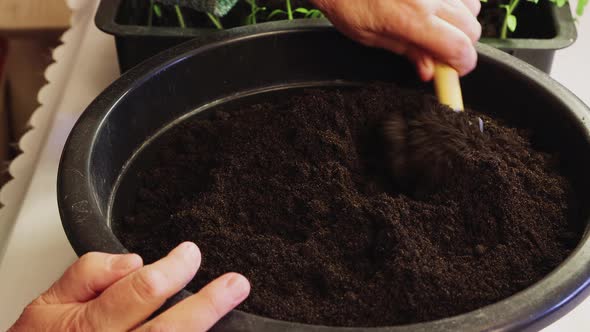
(180, 17)
(158, 10)
(215, 21)
(154, 9)
(275, 13)
(288, 12)
(309, 13)
(510, 21)
(254, 11)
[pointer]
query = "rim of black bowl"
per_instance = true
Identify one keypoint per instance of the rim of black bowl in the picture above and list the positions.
(533, 308)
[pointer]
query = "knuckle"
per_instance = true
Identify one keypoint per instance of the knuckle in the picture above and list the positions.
(355, 30)
(407, 18)
(393, 28)
(471, 66)
(382, 23)
(476, 5)
(478, 31)
(149, 284)
(88, 261)
(366, 38)
(90, 257)
(463, 55)
(462, 49)
(475, 31)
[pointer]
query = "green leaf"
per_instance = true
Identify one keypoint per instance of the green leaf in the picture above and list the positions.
(319, 14)
(157, 10)
(302, 10)
(580, 8)
(534, 1)
(558, 3)
(180, 17)
(276, 12)
(484, 1)
(511, 22)
(315, 13)
(215, 21)
(250, 19)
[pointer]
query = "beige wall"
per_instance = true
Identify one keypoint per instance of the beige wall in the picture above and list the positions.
(22, 78)
(26, 64)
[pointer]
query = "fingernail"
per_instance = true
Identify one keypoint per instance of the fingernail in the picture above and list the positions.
(238, 286)
(189, 250)
(126, 262)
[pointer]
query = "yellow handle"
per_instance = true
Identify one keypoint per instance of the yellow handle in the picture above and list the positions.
(447, 86)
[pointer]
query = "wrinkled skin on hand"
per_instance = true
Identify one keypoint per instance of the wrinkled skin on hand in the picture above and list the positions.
(422, 30)
(103, 292)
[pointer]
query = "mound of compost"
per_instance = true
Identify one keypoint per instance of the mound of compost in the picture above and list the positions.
(298, 195)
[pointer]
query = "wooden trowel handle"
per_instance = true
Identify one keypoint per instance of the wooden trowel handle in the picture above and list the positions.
(447, 86)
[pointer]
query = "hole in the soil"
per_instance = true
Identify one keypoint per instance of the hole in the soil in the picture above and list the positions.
(376, 156)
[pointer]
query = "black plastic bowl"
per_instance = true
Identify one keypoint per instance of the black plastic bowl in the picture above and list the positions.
(203, 73)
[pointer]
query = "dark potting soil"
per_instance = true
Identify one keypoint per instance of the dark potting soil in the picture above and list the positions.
(296, 194)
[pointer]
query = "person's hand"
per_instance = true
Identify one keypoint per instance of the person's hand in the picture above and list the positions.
(419, 29)
(102, 292)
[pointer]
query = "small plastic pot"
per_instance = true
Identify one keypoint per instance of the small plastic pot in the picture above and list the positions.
(211, 71)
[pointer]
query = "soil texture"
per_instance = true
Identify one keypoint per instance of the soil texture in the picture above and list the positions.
(299, 195)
